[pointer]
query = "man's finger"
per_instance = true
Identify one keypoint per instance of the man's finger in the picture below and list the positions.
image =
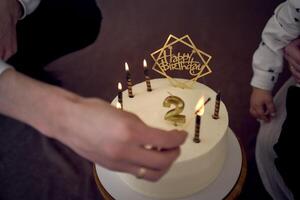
(152, 159)
(145, 173)
(135, 170)
(161, 139)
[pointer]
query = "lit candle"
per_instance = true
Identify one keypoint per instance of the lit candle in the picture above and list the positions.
(119, 107)
(120, 95)
(129, 82)
(217, 106)
(206, 102)
(146, 73)
(199, 113)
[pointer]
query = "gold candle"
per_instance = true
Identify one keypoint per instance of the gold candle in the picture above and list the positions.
(146, 73)
(174, 114)
(129, 82)
(217, 106)
(120, 95)
(199, 113)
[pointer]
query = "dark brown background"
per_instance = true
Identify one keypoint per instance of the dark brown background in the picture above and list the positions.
(131, 30)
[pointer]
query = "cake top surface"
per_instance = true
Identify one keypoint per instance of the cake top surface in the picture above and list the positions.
(149, 107)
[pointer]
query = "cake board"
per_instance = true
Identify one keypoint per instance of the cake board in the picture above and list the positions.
(228, 184)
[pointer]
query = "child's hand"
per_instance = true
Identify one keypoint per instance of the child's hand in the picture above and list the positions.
(261, 105)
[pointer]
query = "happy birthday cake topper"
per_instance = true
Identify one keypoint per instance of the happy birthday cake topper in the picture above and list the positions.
(178, 55)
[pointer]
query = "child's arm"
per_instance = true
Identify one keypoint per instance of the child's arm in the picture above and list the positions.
(282, 28)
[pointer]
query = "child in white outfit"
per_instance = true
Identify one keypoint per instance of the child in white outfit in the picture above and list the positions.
(282, 28)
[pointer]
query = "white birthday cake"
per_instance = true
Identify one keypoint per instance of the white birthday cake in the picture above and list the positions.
(199, 164)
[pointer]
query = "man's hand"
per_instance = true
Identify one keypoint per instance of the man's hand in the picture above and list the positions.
(117, 139)
(292, 54)
(10, 11)
(261, 105)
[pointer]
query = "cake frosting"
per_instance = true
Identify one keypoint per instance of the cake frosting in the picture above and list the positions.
(199, 164)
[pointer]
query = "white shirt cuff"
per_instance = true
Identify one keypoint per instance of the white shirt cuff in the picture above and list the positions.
(264, 80)
(28, 6)
(4, 66)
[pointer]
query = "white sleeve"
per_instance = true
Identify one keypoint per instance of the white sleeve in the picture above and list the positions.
(282, 28)
(28, 6)
(4, 66)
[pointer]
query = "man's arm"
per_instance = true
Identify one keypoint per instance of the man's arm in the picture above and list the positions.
(91, 127)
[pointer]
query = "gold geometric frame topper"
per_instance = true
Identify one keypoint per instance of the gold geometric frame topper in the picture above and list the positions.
(195, 61)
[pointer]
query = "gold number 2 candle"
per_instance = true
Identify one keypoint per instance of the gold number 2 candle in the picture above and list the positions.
(173, 115)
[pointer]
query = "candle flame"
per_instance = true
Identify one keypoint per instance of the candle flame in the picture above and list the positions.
(119, 106)
(126, 66)
(145, 63)
(120, 86)
(200, 106)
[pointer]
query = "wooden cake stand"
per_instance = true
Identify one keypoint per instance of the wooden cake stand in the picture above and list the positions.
(227, 186)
